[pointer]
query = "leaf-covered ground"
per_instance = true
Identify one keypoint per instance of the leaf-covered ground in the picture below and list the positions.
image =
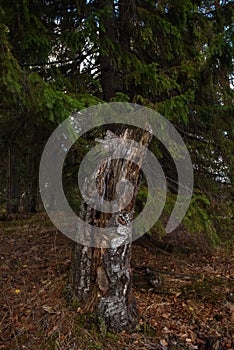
(190, 308)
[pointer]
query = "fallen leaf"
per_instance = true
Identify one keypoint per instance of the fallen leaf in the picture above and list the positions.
(48, 309)
(163, 342)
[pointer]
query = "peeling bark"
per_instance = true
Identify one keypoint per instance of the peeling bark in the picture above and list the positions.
(101, 279)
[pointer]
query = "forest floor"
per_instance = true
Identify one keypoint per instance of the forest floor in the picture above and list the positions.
(191, 307)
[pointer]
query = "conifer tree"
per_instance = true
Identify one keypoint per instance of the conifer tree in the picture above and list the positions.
(175, 57)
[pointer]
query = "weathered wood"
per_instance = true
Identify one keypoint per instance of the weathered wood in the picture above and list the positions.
(101, 278)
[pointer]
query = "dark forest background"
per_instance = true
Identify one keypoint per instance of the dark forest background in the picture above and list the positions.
(173, 56)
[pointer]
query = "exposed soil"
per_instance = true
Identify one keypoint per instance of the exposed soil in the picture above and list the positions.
(189, 306)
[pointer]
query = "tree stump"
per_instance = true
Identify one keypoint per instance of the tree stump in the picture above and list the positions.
(101, 278)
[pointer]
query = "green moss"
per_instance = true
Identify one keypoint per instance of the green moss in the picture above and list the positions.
(146, 328)
(209, 290)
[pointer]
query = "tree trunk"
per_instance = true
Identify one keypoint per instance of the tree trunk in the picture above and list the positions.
(12, 184)
(107, 36)
(101, 278)
(127, 13)
(31, 187)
